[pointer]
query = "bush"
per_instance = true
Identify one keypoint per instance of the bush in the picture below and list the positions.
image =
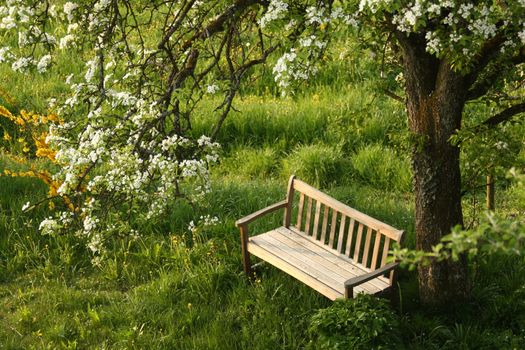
(382, 167)
(252, 163)
(318, 164)
(365, 322)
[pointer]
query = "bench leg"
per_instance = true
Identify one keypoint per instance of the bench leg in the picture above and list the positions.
(245, 254)
(349, 292)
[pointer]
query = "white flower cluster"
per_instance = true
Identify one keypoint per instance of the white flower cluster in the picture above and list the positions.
(204, 221)
(212, 89)
(521, 35)
(49, 226)
(459, 28)
(298, 64)
(69, 9)
(277, 9)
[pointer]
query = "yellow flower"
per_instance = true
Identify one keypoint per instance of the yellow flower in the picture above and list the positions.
(5, 113)
(7, 137)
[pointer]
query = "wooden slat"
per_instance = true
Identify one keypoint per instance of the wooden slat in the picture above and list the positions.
(369, 221)
(289, 200)
(386, 247)
(300, 212)
(333, 251)
(306, 277)
(301, 258)
(377, 242)
(336, 262)
(316, 219)
(325, 224)
(367, 247)
(358, 241)
(341, 233)
(312, 255)
(308, 214)
(332, 229)
(350, 235)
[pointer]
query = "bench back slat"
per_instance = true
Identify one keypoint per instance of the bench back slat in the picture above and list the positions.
(358, 242)
(375, 224)
(335, 214)
(349, 236)
(366, 250)
(386, 248)
(341, 233)
(300, 212)
(377, 242)
(325, 224)
(308, 214)
(340, 227)
(315, 231)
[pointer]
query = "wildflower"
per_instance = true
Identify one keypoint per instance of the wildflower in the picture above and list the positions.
(212, 89)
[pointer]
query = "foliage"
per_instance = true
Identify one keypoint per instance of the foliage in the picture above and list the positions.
(503, 235)
(317, 164)
(365, 322)
(382, 167)
(253, 163)
(29, 141)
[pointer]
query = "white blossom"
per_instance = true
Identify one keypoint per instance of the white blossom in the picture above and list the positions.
(212, 89)
(69, 8)
(43, 64)
(277, 9)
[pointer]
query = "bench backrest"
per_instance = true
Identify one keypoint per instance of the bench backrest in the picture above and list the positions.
(339, 227)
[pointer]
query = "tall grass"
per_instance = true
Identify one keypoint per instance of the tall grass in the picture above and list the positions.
(383, 168)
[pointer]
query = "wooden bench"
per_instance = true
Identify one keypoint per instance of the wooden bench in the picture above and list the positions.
(330, 247)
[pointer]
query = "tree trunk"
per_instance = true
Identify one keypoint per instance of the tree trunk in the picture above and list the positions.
(435, 102)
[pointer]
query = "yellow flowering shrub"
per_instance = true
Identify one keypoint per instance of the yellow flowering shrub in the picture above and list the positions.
(30, 144)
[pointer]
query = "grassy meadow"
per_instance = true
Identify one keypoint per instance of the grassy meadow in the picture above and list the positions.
(171, 290)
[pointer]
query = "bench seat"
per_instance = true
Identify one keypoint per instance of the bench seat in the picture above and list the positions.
(325, 271)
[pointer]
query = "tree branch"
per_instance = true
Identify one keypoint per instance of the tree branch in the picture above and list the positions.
(505, 115)
(479, 88)
(393, 95)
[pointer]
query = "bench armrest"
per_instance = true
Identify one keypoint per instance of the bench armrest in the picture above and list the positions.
(247, 219)
(352, 282)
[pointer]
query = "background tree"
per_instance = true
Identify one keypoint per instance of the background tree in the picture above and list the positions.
(155, 60)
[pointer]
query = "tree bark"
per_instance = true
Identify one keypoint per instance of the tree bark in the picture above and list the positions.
(436, 97)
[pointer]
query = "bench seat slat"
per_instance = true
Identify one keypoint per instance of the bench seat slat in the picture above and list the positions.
(310, 263)
(337, 259)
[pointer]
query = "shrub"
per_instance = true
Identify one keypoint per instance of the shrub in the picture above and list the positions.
(252, 163)
(365, 322)
(318, 164)
(382, 167)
